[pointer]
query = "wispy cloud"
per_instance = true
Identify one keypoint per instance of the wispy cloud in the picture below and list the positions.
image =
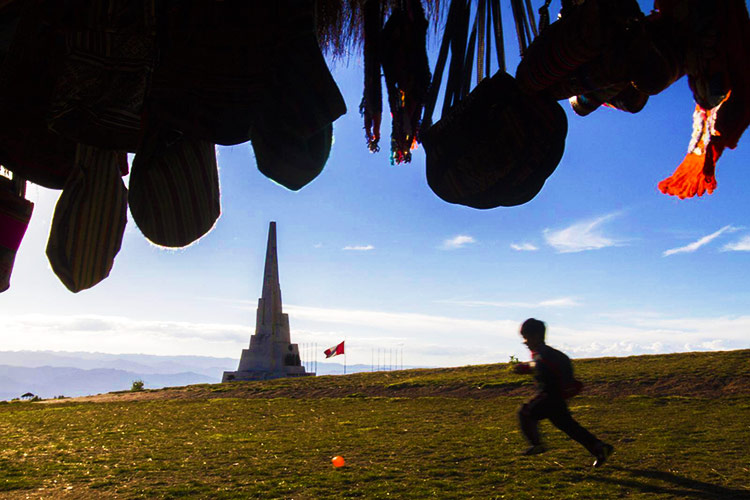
(692, 247)
(581, 236)
(393, 321)
(359, 248)
(459, 241)
(559, 302)
(742, 245)
(524, 247)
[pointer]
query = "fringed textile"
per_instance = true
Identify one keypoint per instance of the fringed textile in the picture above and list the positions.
(371, 107)
(407, 75)
(724, 78)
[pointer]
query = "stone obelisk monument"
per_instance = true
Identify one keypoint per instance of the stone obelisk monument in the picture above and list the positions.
(271, 353)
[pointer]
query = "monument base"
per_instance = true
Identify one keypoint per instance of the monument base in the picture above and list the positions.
(260, 375)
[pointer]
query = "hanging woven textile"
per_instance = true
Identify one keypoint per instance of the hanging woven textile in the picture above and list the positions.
(287, 158)
(174, 189)
(587, 56)
(293, 132)
(371, 107)
(717, 41)
(89, 220)
(497, 144)
(214, 76)
(407, 74)
(110, 49)
(27, 147)
(15, 214)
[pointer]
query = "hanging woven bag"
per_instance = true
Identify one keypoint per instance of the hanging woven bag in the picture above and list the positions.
(289, 159)
(89, 219)
(174, 189)
(496, 147)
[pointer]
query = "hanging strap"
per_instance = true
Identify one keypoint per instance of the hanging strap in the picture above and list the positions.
(463, 45)
(458, 49)
(497, 22)
(481, 21)
(469, 60)
(519, 18)
(532, 22)
(437, 75)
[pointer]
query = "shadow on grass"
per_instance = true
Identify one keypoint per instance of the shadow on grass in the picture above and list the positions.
(680, 486)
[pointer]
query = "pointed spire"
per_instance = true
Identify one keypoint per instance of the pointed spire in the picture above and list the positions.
(271, 296)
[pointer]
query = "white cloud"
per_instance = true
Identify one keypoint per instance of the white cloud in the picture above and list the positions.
(649, 335)
(359, 248)
(118, 334)
(427, 339)
(692, 247)
(459, 241)
(560, 302)
(581, 236)
(524, 247)
(742, 245)
(395, 322)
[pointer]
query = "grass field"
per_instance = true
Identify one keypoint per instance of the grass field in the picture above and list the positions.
(680, 425)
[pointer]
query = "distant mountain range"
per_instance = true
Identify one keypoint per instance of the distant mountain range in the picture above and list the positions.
(49, 374)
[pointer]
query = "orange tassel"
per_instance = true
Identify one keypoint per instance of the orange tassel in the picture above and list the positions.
(689, 179)
(695, 175)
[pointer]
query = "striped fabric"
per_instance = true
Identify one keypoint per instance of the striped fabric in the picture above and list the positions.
(15, 213)
(110, 52)
(27, 147)
(89, 219)
(174, 192)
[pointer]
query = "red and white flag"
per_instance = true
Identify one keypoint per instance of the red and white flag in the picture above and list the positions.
(334, 351)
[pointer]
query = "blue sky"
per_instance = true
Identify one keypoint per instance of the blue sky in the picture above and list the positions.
(368, 254)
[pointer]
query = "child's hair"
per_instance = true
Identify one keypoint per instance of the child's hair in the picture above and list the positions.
(533, 328)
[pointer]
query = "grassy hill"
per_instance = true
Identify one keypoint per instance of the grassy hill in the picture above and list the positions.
(680, 424)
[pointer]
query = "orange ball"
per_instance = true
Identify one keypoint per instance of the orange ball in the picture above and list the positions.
(338, 461)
